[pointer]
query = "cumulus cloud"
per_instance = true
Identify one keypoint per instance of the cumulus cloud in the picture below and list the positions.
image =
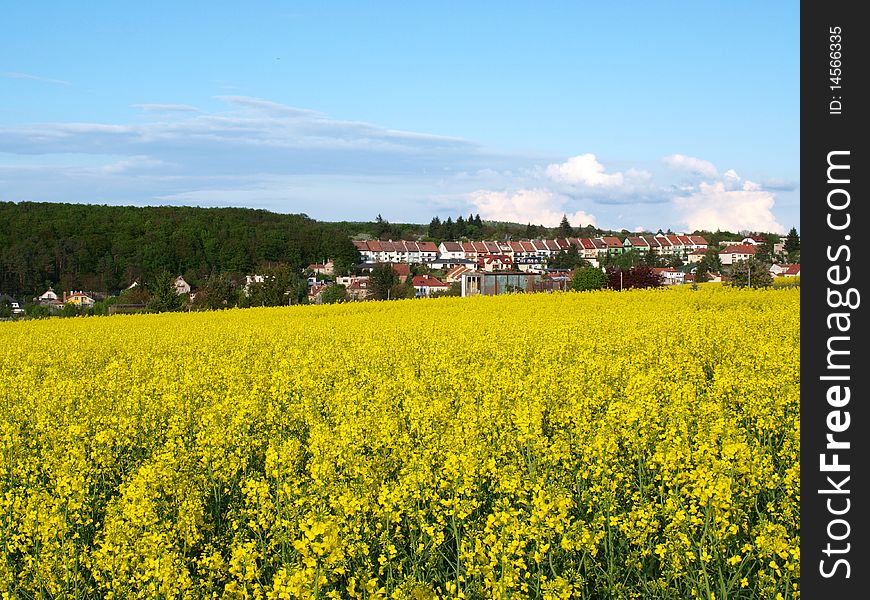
(714, 206)
(585, 170)
(691, 164)
(537, 205)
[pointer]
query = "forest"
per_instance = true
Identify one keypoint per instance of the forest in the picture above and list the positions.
(105, 248)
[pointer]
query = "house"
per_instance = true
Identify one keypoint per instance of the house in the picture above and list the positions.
(448, 263)
(776, 270)
(358, 288)
(251, 280)
(447, 250)
(454, 274)
(327, 268)
(792, 271)
(670, 276)
(425, 285)
(181, 286)
(494, 262)
(315, 293)
(47, 296)
(753, 240)
(612, 244)
(402, 270)
(736, 252)
(12, 303)
(635, 242)
(698, 242)
(78, 299)
(696, 256)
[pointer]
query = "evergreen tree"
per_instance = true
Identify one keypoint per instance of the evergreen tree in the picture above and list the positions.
(531, 231)
(435, 228)
(477, 220)
(460, 227)
(564, 230)
(163, 295)
(792, 241)
(449, 229)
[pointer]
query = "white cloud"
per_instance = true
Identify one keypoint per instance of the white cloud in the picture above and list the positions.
(584, 169)
(691, 164)
(537, 206)
(163, 108)
(714, 207)
(16, 75)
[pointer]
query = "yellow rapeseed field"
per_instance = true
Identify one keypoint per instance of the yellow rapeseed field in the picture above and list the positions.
(642, 444)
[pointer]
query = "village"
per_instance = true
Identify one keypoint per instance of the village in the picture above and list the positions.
(468, 268)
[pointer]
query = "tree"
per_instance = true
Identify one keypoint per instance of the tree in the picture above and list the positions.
(565, 230)
(710, 263)
(750, 273)
(381, 281)
(435, 228)
(382, 228)
(455, 289)
(640, 276)
(567, 259)
(278, 287)
(531, 231)
(449, 230)
(163, 295)
(219, 291)
(588, 279)
(334, 294)
(792, 241)
(477, 220)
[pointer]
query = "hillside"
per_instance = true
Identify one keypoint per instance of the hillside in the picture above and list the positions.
(98, 247)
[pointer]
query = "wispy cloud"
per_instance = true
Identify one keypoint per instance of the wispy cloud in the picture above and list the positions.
(165, 108)
(28, 76)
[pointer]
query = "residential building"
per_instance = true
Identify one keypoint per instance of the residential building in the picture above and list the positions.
(736, 252)
(425, 285)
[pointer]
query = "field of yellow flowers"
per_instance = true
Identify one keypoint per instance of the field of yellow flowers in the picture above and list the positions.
(642, 444)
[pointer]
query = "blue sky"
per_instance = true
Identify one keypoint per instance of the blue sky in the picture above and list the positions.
(630, 115)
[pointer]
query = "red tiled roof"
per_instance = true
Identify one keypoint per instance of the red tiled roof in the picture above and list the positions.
(551, 245)
(663, 241)
(653, 243)
(562, 243)
(674, 240)
(428, 281)
(450, 246)
(684, 239)
(539, 245)
(468, 247)
(738, 249)
(401, 269)
(793, 270)
(528, 246)
(611, 241)
(516, 246)
(375, 246)
(491, 247)
(638, 241)
(361, 245)
(587, 244)
(698, 240)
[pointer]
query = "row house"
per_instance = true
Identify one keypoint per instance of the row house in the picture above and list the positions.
(398, 251)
